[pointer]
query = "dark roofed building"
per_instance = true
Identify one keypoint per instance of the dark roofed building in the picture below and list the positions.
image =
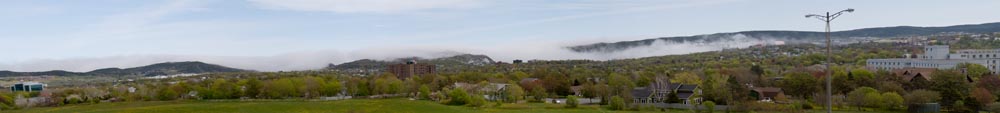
(658, 92)
(766, 94)
(914, 74)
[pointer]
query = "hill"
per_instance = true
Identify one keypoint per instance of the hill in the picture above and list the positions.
(167, 68)
(444, 63)
(849, 36)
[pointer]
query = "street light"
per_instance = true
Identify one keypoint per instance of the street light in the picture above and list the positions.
(829, 54)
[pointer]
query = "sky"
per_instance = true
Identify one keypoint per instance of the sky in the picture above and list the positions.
(276, 35)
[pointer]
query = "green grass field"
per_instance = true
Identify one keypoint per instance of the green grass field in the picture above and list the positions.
(341, 106)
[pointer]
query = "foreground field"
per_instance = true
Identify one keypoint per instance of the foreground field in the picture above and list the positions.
(342, 106)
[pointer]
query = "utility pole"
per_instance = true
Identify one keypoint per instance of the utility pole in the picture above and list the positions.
(829, 54)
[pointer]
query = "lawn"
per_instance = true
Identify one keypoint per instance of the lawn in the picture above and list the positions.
(298, 106)
(341, 106)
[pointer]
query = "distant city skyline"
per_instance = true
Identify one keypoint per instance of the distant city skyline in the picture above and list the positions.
(275, 35)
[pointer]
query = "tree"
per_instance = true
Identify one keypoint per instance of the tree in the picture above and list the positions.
(976, 71)
(515, 93)
(167, 94)
(617, 103)
(892, 100)
(983, 96)
(458, 97)
(476, 101)
(331, 88)
(800, 84)
(863, 77)
(538, 94)
(713, 88)
(686, 78)
(252, 88)
(891, 87)
(860, 96)
(571, 101)
(280, 88)
(990, 83)
(951, 85)
(735, 87)
(425, 92)
(873, 99)
(709, 106)
(922, 96)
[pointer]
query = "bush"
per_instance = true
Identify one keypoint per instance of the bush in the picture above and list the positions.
(572, 102)
(617, 103)
(425, 92)
(806, 106)
(709, 106)
(922, 96)
(458, 97)
(891, 100)
(476, 101)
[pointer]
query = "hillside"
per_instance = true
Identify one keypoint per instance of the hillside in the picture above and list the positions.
(444, 63)
(849, 36)
(167, 68)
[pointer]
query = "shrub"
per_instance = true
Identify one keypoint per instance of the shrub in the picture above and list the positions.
(806, 106)
(476, 101)
(922, 96)
(425, 92)
(891, 100)
(617, 103)
(709, 106)
(572, 102)
(458, 97)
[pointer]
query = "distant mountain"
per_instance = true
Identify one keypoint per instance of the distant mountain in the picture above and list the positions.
(444, 63)
(167, 68)
(791, 36)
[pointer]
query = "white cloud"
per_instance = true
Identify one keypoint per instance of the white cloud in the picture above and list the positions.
(365, 6)
(307, 60)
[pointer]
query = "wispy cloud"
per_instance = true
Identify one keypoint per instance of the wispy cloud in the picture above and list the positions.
(603, 8)
(366, 6)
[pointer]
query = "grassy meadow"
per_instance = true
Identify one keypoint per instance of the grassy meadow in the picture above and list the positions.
(340, 106)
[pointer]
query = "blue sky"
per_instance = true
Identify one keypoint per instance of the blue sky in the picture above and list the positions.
(304, 34)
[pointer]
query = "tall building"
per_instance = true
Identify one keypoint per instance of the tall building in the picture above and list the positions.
(410, 69)
(940, 57)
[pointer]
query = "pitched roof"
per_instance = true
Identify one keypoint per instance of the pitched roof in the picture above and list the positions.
(909, 73)
(528, 80)
(687, 87)
(768, 91)
(684, 95)
(641, 92)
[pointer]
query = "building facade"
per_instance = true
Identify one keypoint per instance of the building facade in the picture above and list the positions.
(940, 57)
(27, 86)
(410, 69)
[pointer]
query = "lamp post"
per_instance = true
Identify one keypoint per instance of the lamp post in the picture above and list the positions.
(829, 55)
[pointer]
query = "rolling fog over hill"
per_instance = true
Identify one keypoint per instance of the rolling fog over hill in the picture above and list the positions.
(507, 51)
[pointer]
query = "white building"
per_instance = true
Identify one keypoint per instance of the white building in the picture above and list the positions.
(940, 57)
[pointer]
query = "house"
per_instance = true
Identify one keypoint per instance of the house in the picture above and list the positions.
(914, 74)
(766, 94)
(686, 91)
(491, 91)
(529, 83)
(659, 92)
(27, 86)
